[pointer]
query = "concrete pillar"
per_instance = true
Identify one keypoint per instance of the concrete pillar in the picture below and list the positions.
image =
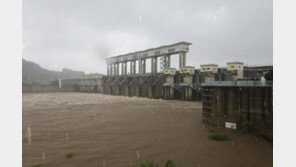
(184, 59)
(131, 67)
(117, 68)
(108, 68)
(140, 66)
(180, 59)
(164, 61)
(188, 94)
(125, 68)
(144, 66)
(122, 68)
(150, 94)
(127, 90)
(113, 69)
(169, 61)
(152, 65)
(188, 90)
(134, 67)
(155, 65)
(169, 91)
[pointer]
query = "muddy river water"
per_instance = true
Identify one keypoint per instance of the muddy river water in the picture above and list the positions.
(116, 131)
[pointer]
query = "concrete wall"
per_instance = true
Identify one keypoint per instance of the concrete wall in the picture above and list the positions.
(220, 105)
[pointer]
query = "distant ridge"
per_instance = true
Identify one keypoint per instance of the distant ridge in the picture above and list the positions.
(34, 73)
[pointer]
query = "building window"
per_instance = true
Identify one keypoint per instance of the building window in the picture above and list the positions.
(203, 68)
(171, 50)
(208, 68)
(232, 66)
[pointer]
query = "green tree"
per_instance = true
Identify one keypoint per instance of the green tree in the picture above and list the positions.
(269, 75)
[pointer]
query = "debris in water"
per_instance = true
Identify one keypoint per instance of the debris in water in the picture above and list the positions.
(29, 135)
(138, 156)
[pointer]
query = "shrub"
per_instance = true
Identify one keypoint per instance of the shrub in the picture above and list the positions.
(70, 155)
(212, 130)
(269, 75)
(149, 164)
(219, 137)
(38, 165)
(170, 163)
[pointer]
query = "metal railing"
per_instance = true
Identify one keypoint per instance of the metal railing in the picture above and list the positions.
(239, 83)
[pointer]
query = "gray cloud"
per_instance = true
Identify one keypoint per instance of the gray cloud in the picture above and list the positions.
(80, 34)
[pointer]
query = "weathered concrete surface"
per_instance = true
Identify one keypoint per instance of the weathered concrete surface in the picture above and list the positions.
(220, 104)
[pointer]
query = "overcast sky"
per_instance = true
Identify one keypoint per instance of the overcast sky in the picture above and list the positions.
(79, 34)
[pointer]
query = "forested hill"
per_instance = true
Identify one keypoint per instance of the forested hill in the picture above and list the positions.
(34, 73)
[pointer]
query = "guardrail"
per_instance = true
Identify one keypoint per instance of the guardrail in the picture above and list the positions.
(239, 83)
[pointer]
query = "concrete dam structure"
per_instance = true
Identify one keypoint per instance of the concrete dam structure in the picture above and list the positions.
(165, 83)
(224, 91)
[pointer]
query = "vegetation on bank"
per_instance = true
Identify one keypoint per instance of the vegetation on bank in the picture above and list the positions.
(38, 165)
(219, 137)
(70, 155)
(269, 75)
(168, 163)
(33, 73)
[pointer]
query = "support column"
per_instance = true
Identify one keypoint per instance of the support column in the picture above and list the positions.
(131, 67)
(169, 61)
(122, 68)
(125, 68)
(113, 69)
(164, 61)
(134, 67)
(184, 59)
(152, 65)
(140, 66)
(117, 69)
(108, 67)
(144, 66)
(169, 91)
(155, 65)
(180, 59)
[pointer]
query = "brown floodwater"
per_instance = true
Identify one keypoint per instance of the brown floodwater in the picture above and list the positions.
(117, 131)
